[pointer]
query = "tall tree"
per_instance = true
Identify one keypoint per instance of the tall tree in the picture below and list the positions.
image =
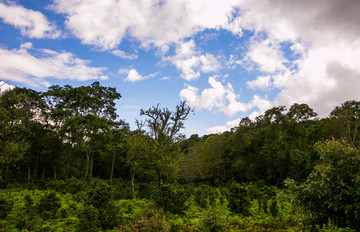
(345, 122)
(83, 115)
(164, 127)
(19, 108)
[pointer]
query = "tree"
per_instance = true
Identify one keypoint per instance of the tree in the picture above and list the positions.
(205, 160)
(332, 189)
(164, 127)
(301, 112)
(82, 116)
(19, 108)
(89, 133)
(141, 155)
(116, 142)
(345, 122)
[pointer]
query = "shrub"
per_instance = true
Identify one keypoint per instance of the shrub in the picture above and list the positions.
(205, 195)
(99, 207)
(153, 224)
(214, 221)
(172, 198)
(48, 205)
(74, 185)
(5, 207)
(239, 199)
(332, 189)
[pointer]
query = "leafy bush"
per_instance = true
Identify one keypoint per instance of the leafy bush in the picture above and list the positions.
(172, 198)
(48, 205)
(153, 224)
(74, 185)
(239, 199)
(5, 207)
(100, 209)
(89, 219)
(332, 189)
(206, 195)
(214, 221)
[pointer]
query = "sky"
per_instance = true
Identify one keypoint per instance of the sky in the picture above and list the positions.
(229, 59)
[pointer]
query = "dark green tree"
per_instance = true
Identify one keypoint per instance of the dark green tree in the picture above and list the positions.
(332, 189)
(164, 127)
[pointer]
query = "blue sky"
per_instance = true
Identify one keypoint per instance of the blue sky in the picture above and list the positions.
(228, 59)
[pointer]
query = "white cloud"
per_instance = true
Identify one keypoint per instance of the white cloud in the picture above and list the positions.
(19, 65)
(257, 102)
(5, 86)
(220, 97)
(234, 25)
(31, 23)
(261, 82)
(209, 63)
(326, 40)
(220, 129)
(123, 55)
(267, 55)
(191, 62)
(134, 76)
(158, 22)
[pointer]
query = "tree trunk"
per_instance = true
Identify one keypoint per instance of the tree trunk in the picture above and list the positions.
(68, 164)
(112, 166)
(29, 174)
(43, 174)
(132, 184)
(87, 165)
(91, 166)
(55, 173)
(7, 173)
(36, 165)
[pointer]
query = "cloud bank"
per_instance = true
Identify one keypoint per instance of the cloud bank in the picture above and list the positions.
(31, 23)
(20, 65)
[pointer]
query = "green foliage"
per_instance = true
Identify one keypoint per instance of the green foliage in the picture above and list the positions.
(172, 198)
(153, 224)
(5, 207)
(100, 209)
(331, 191)
(213, 221)
(239, 199)
(89, 219)
(205, 195)
(74, 185)
(48, 141)
(330, 227)
(48, 205)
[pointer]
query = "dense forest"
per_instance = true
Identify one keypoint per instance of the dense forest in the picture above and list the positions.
(68, 163)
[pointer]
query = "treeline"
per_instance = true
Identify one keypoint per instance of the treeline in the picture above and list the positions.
(74, 134)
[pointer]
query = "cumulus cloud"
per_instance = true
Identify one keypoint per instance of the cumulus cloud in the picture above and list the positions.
(219, 97)
(20, 65)
(134, 76)
(261, 82)
(31, 23)
(321, 22)
(5, 86)
(325, 37)
(257, 102)
(191, 62)
(325, 68)
(155, 22)
(266, 55)
(220, 129)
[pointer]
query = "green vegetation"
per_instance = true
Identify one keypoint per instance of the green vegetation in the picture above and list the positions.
(67, 163)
